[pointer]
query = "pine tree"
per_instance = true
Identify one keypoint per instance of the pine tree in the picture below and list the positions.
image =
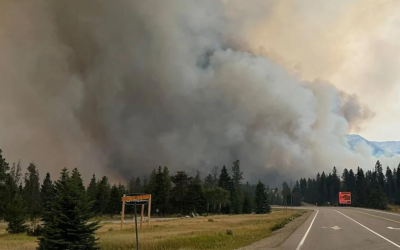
(237, 196)
(14, 180)
(162, 190)
(397, 200)
(46, 198)
(226, 183)
(31, 194)
(4, 188)
(322, 190)
(390, 186)
(296, 194)
(181, 182)
(68, 226)
(208, 181)
(335, 187)
(380, 175)
(195, 196)
(92, 188)
(247, 203)
(103, 195)
(359, 192)
(351, 184)
(15, 215)
(261, 200)
(114, 204)
(376, 196)
(303, 187)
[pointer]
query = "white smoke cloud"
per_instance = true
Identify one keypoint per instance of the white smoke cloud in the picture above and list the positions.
(122, 87)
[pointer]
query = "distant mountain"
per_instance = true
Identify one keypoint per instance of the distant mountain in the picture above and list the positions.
(389, 148)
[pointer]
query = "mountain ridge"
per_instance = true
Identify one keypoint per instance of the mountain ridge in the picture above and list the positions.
(379, 148)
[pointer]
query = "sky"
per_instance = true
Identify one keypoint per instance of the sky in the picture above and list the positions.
(122, 87)
(352, 44)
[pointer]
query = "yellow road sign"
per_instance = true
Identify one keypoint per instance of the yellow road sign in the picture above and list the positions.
(136, 198)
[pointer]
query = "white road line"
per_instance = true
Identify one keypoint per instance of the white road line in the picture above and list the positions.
(308, 230)
(369, 229)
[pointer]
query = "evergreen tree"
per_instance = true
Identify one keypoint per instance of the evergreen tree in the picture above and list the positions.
(15, 215)
(103, 195)
(31, 194)
(195, 196)
(351, 185)
(379, 175)
(68, 226)
(150, 186)
(376, 195)
(209, 181)
(322, 190)
(237, 197)
(261, 199)
(286, 194)
(114, 204)
(46, 198)
(247, 203)
(398, 185)
(4, 188)
(390, 186)
(345, 178)
(360, 197)
(296, 194)
(162, 190)
(181, 182)
(225, 182)
(335, 187)
(14, 180)
(303, 187)
(92, 189)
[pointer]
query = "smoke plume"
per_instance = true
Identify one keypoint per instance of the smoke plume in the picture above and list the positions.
(121, 87)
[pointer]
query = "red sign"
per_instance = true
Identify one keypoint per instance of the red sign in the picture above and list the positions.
(345, 198)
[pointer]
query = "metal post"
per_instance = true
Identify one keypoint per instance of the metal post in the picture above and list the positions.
(137, 237)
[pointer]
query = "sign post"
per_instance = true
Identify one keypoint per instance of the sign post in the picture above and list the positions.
(123, 210)
(136, 200)
(345, 198)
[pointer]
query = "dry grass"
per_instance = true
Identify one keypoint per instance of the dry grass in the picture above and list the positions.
(187, 233)
(393, 208)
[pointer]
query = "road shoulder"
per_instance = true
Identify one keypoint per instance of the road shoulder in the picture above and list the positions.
(279, 236)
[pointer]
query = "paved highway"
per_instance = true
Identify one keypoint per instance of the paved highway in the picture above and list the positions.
(331, 228)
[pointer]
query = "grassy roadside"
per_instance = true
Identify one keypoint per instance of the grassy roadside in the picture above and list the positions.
(190, 233)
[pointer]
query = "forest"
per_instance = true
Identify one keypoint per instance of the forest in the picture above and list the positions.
(41, 203)
(44, 207)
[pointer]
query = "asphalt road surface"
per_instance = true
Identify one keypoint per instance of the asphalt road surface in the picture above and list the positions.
(346, 229)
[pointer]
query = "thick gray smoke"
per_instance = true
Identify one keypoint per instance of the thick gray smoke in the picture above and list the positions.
(121, 87)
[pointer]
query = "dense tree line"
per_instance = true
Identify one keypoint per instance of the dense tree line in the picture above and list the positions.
(57, 211)
(373, 188)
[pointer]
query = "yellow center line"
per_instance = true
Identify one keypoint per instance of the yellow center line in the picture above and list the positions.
(376, 216)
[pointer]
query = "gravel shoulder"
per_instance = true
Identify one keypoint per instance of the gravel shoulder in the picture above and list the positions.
(279, 236)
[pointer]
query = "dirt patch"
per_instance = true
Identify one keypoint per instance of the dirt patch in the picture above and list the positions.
(279, 236)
